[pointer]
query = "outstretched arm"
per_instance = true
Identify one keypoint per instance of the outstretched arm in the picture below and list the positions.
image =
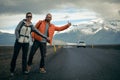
(38, 32)
(63, 27)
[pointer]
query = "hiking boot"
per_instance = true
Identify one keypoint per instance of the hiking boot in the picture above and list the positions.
(42, 70)
(28, 68)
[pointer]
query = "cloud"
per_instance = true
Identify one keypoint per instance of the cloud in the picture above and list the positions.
(106, 8)
(22, 6)
(11, 8)
(60, 17)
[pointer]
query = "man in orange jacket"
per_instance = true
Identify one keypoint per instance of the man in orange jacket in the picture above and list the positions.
(48, 29)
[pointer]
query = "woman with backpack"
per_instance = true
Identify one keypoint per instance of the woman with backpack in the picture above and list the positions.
(23, 32)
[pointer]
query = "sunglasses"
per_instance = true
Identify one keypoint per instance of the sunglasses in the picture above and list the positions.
(29, 16)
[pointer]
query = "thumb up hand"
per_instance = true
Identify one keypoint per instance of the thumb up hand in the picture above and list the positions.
(69, 23)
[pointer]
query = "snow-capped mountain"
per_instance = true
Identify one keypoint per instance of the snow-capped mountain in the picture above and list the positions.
(96, 33)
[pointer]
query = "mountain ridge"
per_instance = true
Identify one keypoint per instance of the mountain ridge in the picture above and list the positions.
(97, 33)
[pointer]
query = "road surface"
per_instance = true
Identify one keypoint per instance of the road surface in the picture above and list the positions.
(78, 64)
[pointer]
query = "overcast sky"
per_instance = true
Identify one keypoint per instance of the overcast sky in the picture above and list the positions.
(10, 10)
(104, 7)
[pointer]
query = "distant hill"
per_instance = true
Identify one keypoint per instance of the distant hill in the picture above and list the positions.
(108, 33)
(7, 39)
(91, 35)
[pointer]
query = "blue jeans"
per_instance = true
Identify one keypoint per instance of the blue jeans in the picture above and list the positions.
(35, 46)
(17, 47)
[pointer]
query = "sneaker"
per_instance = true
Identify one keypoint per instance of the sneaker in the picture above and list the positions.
(42, 70)
(11, 74)
(25, 72)
(28, 68)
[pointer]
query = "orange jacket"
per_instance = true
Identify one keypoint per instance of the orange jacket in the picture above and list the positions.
(41, 24)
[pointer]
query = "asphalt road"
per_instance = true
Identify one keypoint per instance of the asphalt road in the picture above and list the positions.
(78, 64)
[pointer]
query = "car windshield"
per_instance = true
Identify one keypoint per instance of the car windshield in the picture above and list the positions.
(81, 42)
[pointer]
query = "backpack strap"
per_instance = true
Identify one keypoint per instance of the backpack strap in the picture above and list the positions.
(21, 26)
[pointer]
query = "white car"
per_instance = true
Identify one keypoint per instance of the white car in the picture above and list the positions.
(81, 44)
